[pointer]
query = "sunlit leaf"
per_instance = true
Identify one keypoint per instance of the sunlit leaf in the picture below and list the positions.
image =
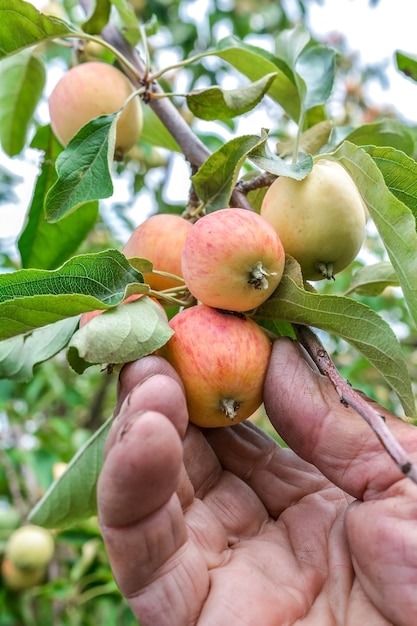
(310, 142)
(129, 20)
(255, 63)
(21, 26)
(32, 298)
(399, 172)
(383, 133)
(216, 178)
(37, 243)
(155, 132)
(216, 103)
(98, 18)
(394, 220)
(407, 64)
(83, 168)
(22, 79)
(262, 156)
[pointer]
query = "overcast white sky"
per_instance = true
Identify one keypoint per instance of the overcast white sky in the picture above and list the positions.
(373, 33)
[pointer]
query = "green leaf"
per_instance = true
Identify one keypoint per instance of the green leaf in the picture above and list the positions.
(353, 321)
(129, 20)
(256, 63)
(383, 133)
(98, 18)
(72, 497)
(371, 280)
(119, 335)
(32, 298)
(21, 26)
(310, 141)
(269, 162)
(216, 103)
(22, 79)
(83, 168)
(393, 219)
(37, 243)
(216, 178)
(407, 64)
(20, 354)
(399, 172)
(315, 73)
(155, 132)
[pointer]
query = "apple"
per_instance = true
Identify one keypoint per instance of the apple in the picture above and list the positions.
(221, 358)
(91, 89)
(30, 547)
(160, 239)
(320, 220)
(232, 259)
(18, 579)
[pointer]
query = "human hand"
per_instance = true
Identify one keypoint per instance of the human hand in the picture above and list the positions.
(224, 526)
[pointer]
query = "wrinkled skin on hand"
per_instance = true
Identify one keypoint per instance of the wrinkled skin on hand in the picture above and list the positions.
(224, 527)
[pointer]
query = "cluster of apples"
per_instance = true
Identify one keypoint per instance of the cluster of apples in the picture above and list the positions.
(231, 261)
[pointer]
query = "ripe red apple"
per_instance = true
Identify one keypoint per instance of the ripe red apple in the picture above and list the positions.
(320, 220)
(232, 259)
(221, 358)
(91, 89)
(160, 239)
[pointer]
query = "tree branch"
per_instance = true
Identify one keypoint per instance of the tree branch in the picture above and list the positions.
(194, 151)
(350, 397)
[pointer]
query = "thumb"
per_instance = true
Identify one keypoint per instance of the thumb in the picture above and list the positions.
(306, 411)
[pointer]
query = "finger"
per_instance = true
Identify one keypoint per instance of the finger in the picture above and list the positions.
(152, 391)
(137, 371)
(306, 411)
(383, 541)
(154, 564)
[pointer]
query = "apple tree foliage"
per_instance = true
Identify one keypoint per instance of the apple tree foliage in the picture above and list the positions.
(69, 258)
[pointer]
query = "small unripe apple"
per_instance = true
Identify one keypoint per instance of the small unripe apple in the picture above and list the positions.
(91, 89)
(320, 220)
(18, 579)
(221, 358)
(232, 259)
(30, 547)
(160, 239)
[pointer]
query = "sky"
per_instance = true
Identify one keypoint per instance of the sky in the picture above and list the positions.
(374, 34)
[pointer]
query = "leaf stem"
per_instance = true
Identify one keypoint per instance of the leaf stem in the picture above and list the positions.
(350, 397)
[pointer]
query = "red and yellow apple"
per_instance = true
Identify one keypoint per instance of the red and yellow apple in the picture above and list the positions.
(160, 239)
(221, 358)
(232, 259)
(91, 89)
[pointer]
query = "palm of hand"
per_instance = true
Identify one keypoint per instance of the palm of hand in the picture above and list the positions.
(253, 534)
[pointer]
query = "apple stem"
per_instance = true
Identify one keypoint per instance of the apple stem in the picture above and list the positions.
(229, 407)
(258, 276)
(351, 398)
